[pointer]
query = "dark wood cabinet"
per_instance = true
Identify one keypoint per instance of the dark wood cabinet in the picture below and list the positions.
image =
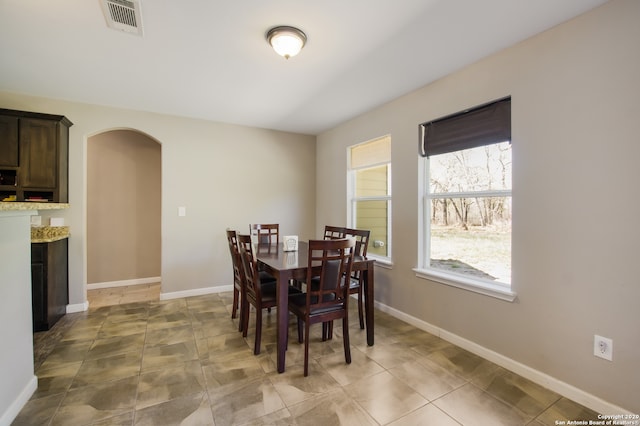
(8, 142)
(34, 156)
(49, 283)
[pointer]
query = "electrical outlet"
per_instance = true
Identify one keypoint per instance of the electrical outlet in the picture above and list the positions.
(603, 347)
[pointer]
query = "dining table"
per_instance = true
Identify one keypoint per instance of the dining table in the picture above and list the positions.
(292, 265)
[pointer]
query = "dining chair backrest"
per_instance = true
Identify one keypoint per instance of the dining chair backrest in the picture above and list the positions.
(329, 262)
(250, 265)
(362, 239)
(333, 232)
(268, 233)
(232, 239)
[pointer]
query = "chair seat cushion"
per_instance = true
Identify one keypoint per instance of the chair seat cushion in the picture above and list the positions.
(266, 277)
(299, 300)
(269, 291)
(315, 283)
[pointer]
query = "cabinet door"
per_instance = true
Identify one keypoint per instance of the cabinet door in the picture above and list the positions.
(57, 280)
(39, 286)
(8, 141)
(38, 153)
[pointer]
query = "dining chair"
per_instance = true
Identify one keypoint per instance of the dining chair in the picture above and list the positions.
(238, 274)
(333, 232)
(327, 295)
(258, 292)
(362, 242)
(356, 284)
(266, 233)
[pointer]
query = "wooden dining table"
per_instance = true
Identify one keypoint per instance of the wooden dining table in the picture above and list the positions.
(288, 265)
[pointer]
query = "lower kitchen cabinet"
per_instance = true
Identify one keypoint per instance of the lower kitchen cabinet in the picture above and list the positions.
(49, 282)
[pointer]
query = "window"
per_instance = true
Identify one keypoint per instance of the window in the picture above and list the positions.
(466, 208)
(369, 192)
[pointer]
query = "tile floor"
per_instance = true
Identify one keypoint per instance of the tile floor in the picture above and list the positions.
(141, 361)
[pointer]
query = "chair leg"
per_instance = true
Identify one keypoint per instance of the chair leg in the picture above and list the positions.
(241, 316)
(234, 307)
(256, 349)
(306, 348)
(300, 336)
(245, 317)
(360, 303)
(327, 330)
(345, 339)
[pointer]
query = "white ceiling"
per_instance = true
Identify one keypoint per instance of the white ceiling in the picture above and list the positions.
(209, 59)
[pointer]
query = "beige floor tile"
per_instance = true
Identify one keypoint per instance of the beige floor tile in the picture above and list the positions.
(183, 361)
(170, 383)
(96, 402)
(385, 397)
(294, 388)
(56, 379)
(116, 346)
(461, 362)
(100, 370)
(517, 391)
(186, 411)
(469, 405)
(361, 366)
(565, 410)
(158, 357)
(426, 415)
(427, 378)
(333, 408)
(238, 403)
(39, 411)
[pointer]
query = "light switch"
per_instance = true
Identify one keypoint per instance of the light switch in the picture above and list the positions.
(182, 211)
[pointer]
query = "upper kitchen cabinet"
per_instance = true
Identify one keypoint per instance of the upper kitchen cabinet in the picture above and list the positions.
(34, 157)
(8, 141)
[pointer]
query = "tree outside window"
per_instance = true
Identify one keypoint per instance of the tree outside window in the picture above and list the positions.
(469, 212)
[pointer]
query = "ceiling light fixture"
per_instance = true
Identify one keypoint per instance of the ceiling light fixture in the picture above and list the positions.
(286, 41)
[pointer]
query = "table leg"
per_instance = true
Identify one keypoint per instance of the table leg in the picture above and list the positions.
(368, 303)
(283, 319)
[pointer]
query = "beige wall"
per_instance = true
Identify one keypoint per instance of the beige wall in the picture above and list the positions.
(575, 106)
(123, 207)
(225, 175)
(16, 359)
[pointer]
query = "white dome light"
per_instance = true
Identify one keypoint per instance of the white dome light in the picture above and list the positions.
(286, 41)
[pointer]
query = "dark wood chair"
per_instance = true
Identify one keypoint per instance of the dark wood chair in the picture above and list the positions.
(362, 242)
(266, 233)
(356, 283)
(257, 292)
(333, 232)
(238, 274)
(327, 295)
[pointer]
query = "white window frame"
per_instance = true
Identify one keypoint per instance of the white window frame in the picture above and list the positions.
(498, 290)
(352, 201)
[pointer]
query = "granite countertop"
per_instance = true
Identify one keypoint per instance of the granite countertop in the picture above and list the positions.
(48, 234)
(30, 205)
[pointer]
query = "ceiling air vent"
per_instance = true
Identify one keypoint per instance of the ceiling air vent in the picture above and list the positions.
(123, 15)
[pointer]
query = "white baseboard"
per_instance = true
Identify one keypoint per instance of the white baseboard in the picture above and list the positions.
(195, 292)
(123, 283)
(78, 307)
(14, 409)
(569, 391)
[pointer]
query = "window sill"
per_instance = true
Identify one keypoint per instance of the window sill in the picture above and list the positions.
(383, 262)
(477, 286)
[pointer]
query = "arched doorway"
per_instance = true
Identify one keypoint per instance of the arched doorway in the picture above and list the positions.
(123, 215)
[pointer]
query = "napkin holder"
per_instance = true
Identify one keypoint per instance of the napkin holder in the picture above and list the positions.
(290, 243)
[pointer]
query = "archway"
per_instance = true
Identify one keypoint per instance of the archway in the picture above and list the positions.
(123, 211)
